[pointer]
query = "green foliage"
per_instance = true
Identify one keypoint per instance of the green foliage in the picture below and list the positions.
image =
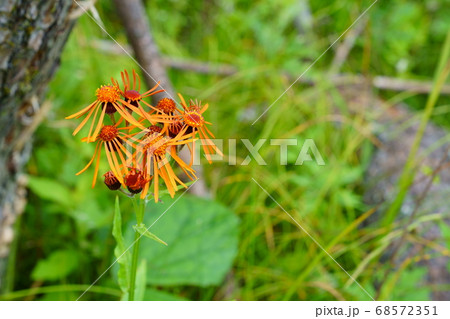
(411, 286)
(142, 229)
(408, 29)
(65, 215)
(201, 238)
(56, 266)
(50, 190)
(158, 295)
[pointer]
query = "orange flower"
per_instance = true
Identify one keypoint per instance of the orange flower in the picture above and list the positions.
(166, 105)
(112, 138)
(135, 181)
(151, 157)
(109, 101)
(163, 130)
(192, 117)
(134, 97)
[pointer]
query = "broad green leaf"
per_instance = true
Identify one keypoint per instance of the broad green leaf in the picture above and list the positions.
(51, 190)
(202, 238)
(58, 265)
(123, 257)
(90, 214)
(158, 295)
(142, 229)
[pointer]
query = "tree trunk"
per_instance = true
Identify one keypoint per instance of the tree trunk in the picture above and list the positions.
(32, 35)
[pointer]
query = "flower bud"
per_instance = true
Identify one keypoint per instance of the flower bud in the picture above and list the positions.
(111, 181)
(135, 181)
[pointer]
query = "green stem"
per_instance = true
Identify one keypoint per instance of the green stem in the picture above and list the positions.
(139, 208)
(134, 265)
(408, 174)
(60, 288)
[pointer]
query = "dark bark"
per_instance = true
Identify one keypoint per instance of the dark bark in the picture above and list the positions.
(32, 35)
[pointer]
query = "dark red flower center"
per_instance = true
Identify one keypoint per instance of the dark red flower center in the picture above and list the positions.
(193, 118)
(132, 95)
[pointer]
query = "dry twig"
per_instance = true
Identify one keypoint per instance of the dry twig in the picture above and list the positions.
(379, 82)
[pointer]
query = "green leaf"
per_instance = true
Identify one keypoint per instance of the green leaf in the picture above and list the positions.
(202, 238)
(158, 295)
(142, 229)
(50, 190)
(141, 284)
(411, 285)
(90, 213)
(58, 265)
(124, 259)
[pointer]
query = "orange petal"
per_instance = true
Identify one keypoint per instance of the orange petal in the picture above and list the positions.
(112, 166)
(90, 162)
(183, 102)
(99, 124)
(156, 176)
(94, 179)
(80, 113)
(79, 127)
(204, 108)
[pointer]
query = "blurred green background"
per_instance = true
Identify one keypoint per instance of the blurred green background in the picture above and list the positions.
(241, 245)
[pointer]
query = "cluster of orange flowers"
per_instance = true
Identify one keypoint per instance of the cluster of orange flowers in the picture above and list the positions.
(140, 138)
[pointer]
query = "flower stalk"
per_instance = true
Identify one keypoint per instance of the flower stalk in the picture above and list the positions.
(139, 208)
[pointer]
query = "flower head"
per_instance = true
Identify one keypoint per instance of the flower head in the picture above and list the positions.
(132, 95)
(166, 105)
(154, 129)
(135, 181)
(141, 142)
(108, 101)
(112, 138)
(152, 155)
(108, 93)
(111, 181)
(192, 117)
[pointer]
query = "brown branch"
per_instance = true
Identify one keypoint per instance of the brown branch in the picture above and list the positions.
(137, 27)
(379, 82)
(394, 84)
(175, 63)
(343, 50)
(200, 67)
